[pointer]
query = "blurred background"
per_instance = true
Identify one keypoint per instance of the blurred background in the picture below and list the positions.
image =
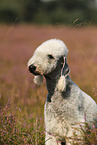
(24, 25)
(48, 11)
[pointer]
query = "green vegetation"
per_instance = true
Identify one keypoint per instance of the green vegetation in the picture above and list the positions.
(51, 12)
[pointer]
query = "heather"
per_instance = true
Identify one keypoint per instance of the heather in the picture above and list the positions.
(22, 102)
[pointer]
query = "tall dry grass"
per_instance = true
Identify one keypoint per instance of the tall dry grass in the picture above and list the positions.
(22, 118)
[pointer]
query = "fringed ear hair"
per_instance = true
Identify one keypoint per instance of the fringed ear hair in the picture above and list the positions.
(66, 69)
(38, 79)
(64, 72)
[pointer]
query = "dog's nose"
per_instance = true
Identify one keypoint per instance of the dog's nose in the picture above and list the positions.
(32, 68)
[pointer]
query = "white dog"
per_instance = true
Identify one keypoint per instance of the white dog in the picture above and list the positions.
(67, 107)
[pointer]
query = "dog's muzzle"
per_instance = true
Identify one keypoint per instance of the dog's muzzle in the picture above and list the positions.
(32, 70)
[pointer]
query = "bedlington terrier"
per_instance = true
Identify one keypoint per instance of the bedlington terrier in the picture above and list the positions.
(67, 107)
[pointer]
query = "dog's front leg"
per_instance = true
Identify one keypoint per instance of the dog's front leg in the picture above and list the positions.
(51, 140)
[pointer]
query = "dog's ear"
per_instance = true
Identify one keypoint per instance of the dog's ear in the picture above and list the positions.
(65, 68)
(64, 72)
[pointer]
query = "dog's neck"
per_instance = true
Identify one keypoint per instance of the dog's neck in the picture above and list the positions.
(52, 87)
(52, 79)
(51, 82)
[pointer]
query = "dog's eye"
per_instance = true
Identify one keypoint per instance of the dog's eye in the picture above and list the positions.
(50, 56)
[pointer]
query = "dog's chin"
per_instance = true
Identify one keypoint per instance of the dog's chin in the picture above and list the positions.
(35, 73)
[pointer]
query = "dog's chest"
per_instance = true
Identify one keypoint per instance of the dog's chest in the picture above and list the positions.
(60, 110)
(54, 123)
(60, 113)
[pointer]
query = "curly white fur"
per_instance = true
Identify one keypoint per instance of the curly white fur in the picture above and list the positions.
(67, 106)
(38, 80)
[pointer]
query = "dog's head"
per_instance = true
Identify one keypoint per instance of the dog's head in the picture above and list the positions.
(46, 58)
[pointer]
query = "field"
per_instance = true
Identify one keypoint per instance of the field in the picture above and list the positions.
(22, 102)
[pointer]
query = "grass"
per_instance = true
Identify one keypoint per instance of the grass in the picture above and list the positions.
(22, 102)
(25, 131)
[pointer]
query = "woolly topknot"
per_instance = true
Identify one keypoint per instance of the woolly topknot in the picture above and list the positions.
(55, 46)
